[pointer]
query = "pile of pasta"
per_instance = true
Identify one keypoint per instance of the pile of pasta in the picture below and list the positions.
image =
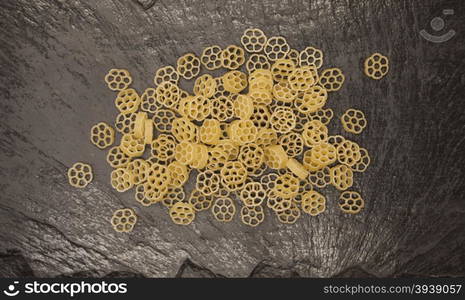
(254, 138)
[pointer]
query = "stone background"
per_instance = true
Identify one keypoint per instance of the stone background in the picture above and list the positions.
(55, 53)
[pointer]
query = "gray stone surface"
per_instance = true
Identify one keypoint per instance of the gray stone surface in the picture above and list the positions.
(54, 55)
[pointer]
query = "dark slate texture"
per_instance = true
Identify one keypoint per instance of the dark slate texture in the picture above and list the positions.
(55, 53)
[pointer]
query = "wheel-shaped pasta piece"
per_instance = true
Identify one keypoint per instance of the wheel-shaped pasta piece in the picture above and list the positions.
(275, 157)
(312, 100)
(266, 137)
(363, 163)
(287, 186)
(324, 153)
(123, 220)
(208, 182)
(80, 175)
(314, 133)
(253, 40)
(148, 132)
(342, 177)
(234, 81)
(243, 107)
(182, 213)
(124, 123)
(282, 69)
(102, 135)
(311, 56)
(323, 115)
(276, 48)
(332, 79)
(121, 180)
(127, 101)
(163, 147)
(205, 85)
(303, 78)
(233, 175)
(283, 120)
(211, 57)
(223, 209)
(118, 79)
(348, 153)
(174, 195)
(277, 203)
(210, 132)
(185, 153)
(376, 66)
(168, 94)
(188, 66)
(252, 194)
(167, 73)
(163, 119)
(292, 143)
(313, 203)
(282, 92)
(232, 57)
(200, 201)
(132, 146)
(320, 178)
(301, 120)
(252, 156)
(229, 148)
(354, 121)
(243, 132)
(138, 170)
(222, 108)
(117, 158)
(309, 163)
(149, 100)
(297, 168)
(261, 116)
(179, 173)
(257, 62)
(268, 181)
(253, 215)
(184, 130)
(351, 202)
(289, 215)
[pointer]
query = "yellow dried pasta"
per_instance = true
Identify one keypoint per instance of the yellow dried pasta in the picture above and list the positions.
(127, 101)
(303, 78)
(234, 81)
(276, 48)
(167, 73)
(243, 107)
(313, 203)
(223, 209)
(376, 66)
(188, 66)
(123, 220)
(311, 56)
(275, 157)
(232, 57)
(210, 132)
(354, 121)
(139, 124)
(168, 94)
(138, 170)
(253, 40)
(102, 135)
(182, 213)
(252, 216)
(282, 69)
(121, 180)
(222, 108)
(132, 146)
(341, 177)
(332, 79)
(351, 202)
(257, 62)
(211, 57)
(118, 79)
(80, 175)
(117, 158)
(205, 85)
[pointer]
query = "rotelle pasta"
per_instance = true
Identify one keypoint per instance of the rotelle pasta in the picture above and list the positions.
(256, 130)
